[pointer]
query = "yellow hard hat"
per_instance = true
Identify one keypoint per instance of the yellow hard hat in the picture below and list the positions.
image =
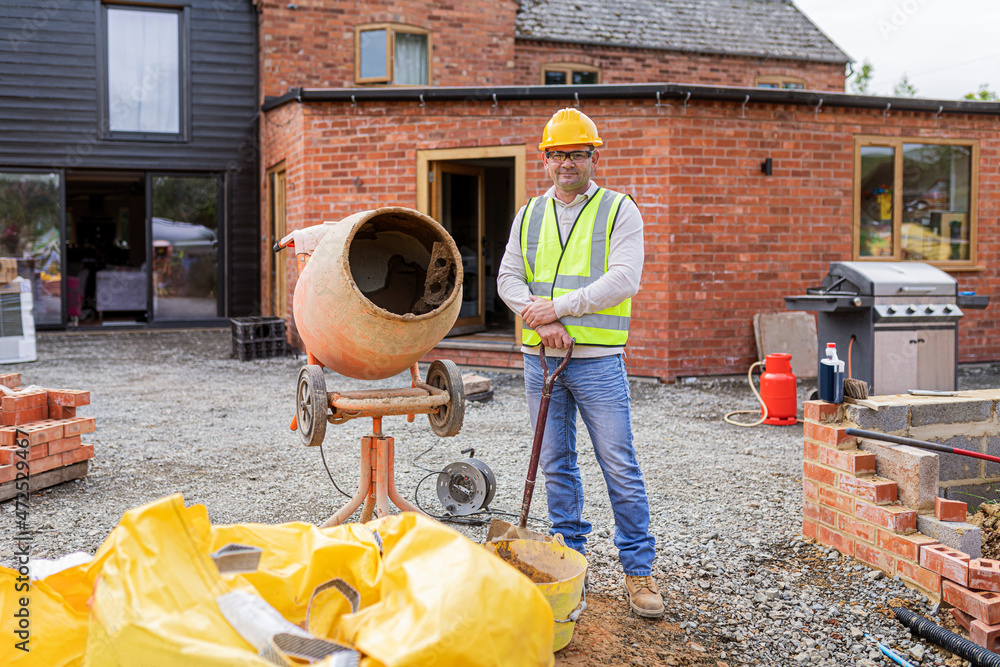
(568, 127)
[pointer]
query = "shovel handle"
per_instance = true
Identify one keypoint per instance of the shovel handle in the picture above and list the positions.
(543, 411)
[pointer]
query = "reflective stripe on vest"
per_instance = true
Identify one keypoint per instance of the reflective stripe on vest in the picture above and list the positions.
(554, 268)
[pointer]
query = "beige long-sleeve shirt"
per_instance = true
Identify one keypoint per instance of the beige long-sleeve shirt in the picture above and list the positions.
(620, 282)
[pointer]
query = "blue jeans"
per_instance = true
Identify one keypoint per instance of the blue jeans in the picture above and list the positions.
(599, 388)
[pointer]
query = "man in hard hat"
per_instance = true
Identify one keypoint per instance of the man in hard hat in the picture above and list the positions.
(571, 267)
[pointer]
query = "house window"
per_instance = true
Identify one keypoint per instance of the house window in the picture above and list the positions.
(786, 82)
(569, 73)
(144, 70)
(392, 54)
(915, 199)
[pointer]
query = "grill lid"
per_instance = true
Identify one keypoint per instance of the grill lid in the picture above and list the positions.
(890, 279)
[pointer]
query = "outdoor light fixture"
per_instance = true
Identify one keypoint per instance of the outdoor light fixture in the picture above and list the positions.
(765, 167)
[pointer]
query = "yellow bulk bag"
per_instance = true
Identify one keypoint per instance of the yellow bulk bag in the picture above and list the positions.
(443, 603)
(422, 594)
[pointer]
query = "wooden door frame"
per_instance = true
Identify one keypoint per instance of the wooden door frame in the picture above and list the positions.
(440, 168)
(426, 158)
(276, 295)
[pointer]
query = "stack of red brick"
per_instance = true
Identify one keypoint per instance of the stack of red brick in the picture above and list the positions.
(48, 417)
(846, 506)
(971, 585)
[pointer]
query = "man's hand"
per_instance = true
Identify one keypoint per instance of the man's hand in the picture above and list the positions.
(539, 312)
(554, 335)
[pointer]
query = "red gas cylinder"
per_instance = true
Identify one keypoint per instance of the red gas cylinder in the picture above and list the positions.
(777, 390)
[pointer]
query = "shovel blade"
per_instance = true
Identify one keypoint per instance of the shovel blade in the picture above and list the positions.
(502, 530)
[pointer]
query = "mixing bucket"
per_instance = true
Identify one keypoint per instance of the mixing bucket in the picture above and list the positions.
(381, 289)
(559, 573)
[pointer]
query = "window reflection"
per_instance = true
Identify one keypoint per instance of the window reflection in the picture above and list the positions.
(877, 178)
(143, 71)
(936, 183)
(30, 231)
(185, 247)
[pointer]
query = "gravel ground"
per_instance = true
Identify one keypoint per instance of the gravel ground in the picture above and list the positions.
(176, 414)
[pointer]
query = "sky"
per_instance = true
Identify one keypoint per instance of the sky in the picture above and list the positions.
(947, 48)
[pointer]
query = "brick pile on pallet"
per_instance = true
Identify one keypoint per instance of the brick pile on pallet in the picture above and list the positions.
(56, 452)
(847, 506)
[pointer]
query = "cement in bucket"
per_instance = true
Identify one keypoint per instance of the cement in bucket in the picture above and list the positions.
(557, 570)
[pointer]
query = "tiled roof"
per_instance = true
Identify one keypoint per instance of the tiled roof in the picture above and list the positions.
(739, 27)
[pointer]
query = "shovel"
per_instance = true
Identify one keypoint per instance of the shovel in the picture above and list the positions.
(502, 530)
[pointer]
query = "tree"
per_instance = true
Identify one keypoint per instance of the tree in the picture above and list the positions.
(904, 88)
(984, 95)
(862, 79)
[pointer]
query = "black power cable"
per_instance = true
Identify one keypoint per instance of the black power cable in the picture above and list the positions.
(469, 519)
(323, 456)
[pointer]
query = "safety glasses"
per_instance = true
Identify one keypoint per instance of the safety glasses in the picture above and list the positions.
(562, 156)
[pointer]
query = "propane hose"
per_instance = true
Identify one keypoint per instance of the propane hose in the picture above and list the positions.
(763, 406)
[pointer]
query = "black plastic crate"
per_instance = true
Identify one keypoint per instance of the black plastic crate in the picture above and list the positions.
(258, 328)
(259, 349)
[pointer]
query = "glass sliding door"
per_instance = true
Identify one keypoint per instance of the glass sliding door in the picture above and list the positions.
(185, 246)
(31, 230)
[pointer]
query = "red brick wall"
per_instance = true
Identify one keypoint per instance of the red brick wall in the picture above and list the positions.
(619, 65)
(313, 46)
(723, 241)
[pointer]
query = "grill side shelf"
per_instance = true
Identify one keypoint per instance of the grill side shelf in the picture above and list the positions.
(828, 304)
(976, 301)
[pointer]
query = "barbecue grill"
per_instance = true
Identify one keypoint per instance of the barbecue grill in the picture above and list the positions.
(896, 323)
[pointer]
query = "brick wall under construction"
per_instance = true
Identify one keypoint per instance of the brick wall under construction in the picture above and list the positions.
(899, 508)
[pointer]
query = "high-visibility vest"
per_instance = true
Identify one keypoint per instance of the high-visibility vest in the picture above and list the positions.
(554, 268)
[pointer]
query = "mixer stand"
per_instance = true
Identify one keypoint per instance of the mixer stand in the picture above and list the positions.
(441, 398)
(378, 480)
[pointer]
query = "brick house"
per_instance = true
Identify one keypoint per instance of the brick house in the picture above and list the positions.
(440, 108)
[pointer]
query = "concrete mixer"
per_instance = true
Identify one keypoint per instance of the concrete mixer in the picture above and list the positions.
(376, 292)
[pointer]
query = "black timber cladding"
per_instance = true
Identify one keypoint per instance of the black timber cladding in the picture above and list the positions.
(49, 118)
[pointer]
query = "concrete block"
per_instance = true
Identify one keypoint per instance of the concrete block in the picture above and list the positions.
(956, 466)
(973, 493)
(949, 411)
(992, 447)
(884, 418)
(791, 332)
(962, 537)
(475, 384)
(915, 471)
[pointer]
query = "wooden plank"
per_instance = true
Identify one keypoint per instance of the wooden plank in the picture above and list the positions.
(44, 480)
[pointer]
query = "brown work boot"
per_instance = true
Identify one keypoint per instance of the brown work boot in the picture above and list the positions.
(644, 596)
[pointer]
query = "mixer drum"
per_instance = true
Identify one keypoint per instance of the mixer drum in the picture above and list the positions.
(381, 289)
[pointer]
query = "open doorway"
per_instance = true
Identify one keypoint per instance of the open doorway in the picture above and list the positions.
(105, 247)
(474, 193)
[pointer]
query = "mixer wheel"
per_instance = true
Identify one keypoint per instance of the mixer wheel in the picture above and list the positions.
(311, 404)
(444, 374)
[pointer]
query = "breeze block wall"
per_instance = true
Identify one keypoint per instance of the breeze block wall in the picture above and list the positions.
(926, 494)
